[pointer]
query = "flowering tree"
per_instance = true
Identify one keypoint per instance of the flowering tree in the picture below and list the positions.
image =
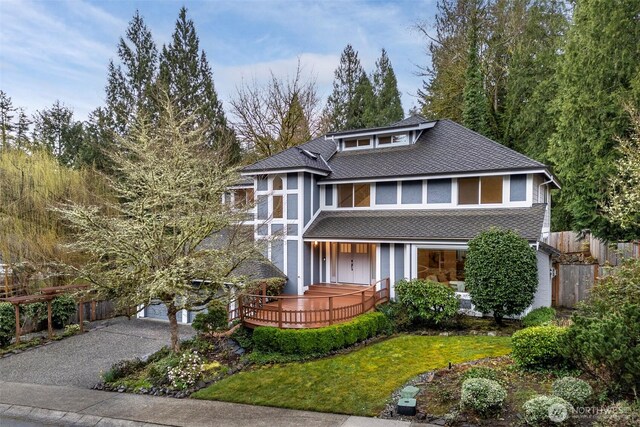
(624, 207)
(148, 245)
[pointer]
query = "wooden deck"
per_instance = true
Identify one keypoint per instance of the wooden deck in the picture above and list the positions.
(322, 305)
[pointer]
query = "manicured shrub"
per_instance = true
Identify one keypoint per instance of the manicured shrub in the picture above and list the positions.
(319, 340)
(7, 323)
(546, 410)
(482, 395)
(539, 317)
(573, 390)
(480, 372)
(62, 308)
(216, 318)
(122, 369)
(538, 347)
(427, 301)
(608, 346)
(501, 273)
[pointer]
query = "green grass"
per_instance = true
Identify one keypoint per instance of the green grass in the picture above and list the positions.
(357, 383)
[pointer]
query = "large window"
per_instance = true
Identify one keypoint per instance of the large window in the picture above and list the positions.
(442, 266)
(485, 190)
(354, 195)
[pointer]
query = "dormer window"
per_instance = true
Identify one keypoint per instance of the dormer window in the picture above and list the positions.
(357, 143)
(399, 139)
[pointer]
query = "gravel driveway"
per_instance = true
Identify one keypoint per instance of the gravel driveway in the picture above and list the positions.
(79, 360)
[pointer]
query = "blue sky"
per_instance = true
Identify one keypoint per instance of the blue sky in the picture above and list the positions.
(60, 49)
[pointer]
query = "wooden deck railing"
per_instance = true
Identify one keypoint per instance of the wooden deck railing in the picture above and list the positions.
(307, 311)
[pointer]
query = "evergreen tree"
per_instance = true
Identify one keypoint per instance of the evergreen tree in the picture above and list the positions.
(6, 119)
(362, 110)
(601, 60)
(341, 110)
(57, 132)
(475, 112)
(527, 118)
(295, 129)
(186, 76)
(130, 84)
(96, 143)
(21, 131)
(385, 87)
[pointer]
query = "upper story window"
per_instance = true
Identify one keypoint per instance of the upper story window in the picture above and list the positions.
(357, 143)
(277, 209)
(277, 183)
(354, 195)
(243, 197)
(387, 140)
(483, 190)
(518, 188)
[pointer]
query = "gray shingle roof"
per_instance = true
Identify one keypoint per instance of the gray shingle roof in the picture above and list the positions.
(446, 148)
(294, 157)
(458, 224)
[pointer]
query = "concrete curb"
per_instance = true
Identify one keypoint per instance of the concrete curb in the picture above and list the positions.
(61, 418)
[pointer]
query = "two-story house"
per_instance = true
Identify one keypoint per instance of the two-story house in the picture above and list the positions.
(400, 201)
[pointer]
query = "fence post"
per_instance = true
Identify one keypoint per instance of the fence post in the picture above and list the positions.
(49, 319)
(330, 310)
(17, 323)
(279, 312)
(81, 315)
(240, 310)
(362, 294)
(93, 310)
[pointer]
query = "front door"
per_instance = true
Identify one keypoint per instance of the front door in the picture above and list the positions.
(354, 263)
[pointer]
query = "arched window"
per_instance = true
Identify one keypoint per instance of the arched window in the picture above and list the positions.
(277, 183)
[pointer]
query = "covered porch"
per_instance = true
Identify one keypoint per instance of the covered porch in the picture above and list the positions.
(323, 304)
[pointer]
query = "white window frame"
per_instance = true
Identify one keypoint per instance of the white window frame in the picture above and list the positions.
(357, 147)
(393, 144)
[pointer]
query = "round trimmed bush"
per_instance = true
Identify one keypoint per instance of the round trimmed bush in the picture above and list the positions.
(480, 372)
(546, 410)
(501, 273)
(482, 395)
(573, 390)
(539, 317)
(427, 301)
(538, 347)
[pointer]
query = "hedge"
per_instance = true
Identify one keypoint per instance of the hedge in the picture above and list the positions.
(305, 342)
(538, 347)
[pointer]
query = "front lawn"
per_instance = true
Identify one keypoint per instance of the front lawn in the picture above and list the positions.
(357, 383)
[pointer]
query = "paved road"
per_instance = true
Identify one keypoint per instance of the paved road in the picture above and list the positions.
(79, 360)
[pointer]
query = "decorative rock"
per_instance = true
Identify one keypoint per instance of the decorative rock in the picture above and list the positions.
(409, 392)
(444, 334)
(421, 416)
(407, 407)
(491, 334)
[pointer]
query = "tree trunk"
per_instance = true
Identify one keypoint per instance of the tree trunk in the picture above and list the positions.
(173, 327)
(498, 318)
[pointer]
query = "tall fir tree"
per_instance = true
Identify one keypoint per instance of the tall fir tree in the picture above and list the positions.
(475, 111)
(96, 143)
(362, 110)
(527, 118)
(57, 132)
(130, 84)
(341, 110)
(385, 88)
(6, 119)
(21, 129)
(185, 74)
(601, 60)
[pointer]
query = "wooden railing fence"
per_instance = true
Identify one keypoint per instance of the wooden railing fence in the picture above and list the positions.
(300, 311)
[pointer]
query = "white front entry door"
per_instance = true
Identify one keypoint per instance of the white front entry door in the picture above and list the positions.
(354, 263)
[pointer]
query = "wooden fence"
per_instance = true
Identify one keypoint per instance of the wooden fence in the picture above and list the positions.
(606, 253)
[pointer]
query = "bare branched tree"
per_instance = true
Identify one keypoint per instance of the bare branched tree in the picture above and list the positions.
(171, 228)
(277, 115)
